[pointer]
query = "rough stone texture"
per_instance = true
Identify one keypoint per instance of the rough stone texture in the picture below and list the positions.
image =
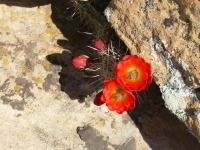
(36, 111)
(167, 34)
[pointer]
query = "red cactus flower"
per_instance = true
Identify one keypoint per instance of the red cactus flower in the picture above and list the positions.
(81, 61)
(117, 97)
(97, 100)
(100, 45)
(134, 73)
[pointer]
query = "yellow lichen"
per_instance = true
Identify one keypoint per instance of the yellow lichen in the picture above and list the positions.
(85, 98)
(56, 45)
(53, 31)
(2, 19)
(3, 10)
(40, 11)
(13, 15)
(6, 62)
(6, 29)
(46, 63)
(23, 17)
(3, 52)
(51, 52)
(42, 37)
(27, 70)
(19, 51)
(39, 80)
(40, 52)
(17, 88)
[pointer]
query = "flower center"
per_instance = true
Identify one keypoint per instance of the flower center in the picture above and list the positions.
(118, 96)
(132, 75)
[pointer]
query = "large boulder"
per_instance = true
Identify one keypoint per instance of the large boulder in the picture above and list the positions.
(167, 34)
(35, 112)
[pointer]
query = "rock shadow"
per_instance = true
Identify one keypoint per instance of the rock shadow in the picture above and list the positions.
(25, 3)
(76, 83)
(159, 127)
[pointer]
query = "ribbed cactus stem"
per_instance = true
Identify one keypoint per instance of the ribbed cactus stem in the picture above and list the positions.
(92, 17)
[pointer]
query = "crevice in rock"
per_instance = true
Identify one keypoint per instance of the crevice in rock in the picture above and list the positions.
(159, 127)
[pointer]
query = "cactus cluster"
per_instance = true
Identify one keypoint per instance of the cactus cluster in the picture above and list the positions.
(91, 13)
(121, 74)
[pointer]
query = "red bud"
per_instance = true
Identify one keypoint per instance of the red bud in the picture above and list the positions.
(100, 45)
(97, 100)
(80, 61)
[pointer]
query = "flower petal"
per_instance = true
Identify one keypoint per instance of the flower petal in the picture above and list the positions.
(132, 105)
(141, 69)
(119, 112)
(113, 88)
(110, 107)
(126, 57)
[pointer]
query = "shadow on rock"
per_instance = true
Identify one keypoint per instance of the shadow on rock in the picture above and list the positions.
(25, 3)
(159, 127)
(67, 21)
(76, 83)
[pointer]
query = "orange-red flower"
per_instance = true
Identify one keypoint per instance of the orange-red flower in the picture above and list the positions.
(117, 97)
(134, 73)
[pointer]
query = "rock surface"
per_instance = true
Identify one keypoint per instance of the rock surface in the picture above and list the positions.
(167, 34)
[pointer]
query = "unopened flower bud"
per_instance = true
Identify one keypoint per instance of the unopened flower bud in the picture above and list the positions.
(100, 45)
(97, 100)
(81, 61)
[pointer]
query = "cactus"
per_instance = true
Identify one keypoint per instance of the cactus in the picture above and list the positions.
(91, 13)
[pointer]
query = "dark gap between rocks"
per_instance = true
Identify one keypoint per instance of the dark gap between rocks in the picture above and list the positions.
(159, 127)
